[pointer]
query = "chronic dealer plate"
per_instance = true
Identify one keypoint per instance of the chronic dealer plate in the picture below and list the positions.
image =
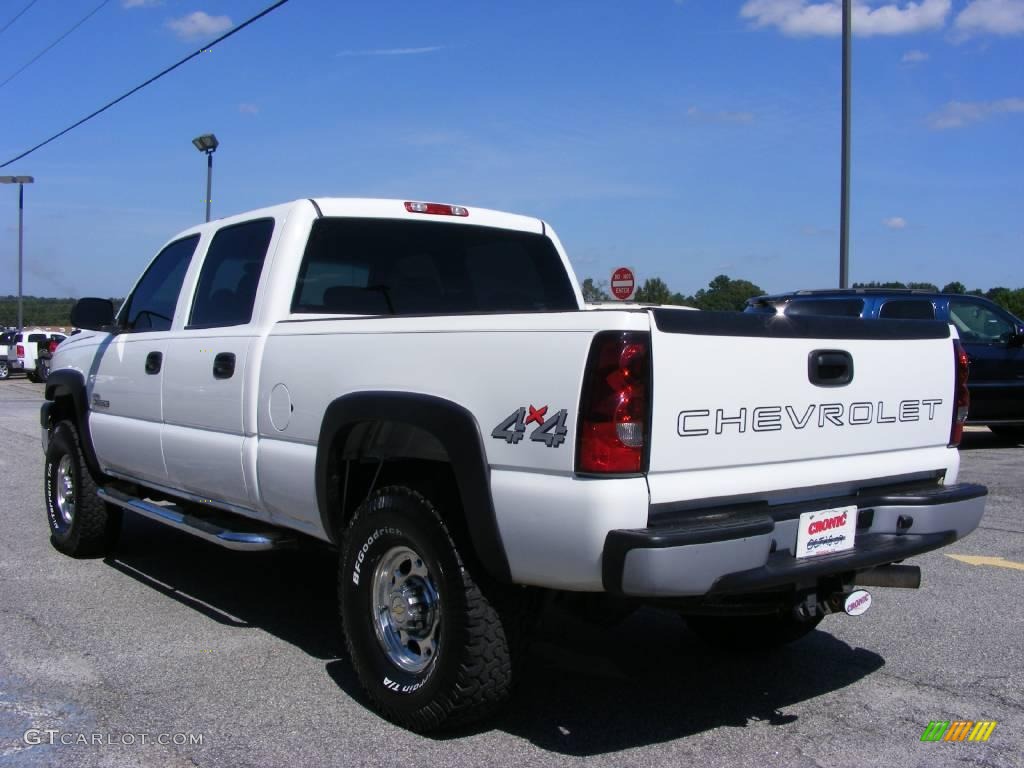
(826, 531)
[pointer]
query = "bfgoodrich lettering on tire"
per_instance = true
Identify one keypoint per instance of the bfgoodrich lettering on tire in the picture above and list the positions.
(81, 524)
(428, 646)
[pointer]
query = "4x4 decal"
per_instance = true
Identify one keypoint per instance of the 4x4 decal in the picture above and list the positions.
(549, 430)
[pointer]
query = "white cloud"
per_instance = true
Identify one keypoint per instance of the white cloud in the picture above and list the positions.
(141, 3)
(800, 18)
(247, 108)
(895, 222)
(914, 57)
(994, 17)
(199, 25)
(393, 51)
(696, 113)
(957, 114)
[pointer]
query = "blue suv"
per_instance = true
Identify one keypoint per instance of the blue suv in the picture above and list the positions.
(992, 337)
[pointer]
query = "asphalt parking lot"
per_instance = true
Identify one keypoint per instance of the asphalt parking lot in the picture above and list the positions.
(177, 653)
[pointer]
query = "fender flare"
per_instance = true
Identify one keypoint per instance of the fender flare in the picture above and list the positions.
(454, 428)
(67, 382)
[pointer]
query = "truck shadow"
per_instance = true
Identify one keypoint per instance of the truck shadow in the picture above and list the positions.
(585, 690)
(975, 440)
(591, 691)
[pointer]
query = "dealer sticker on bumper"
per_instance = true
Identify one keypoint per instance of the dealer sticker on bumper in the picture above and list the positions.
(826, 531)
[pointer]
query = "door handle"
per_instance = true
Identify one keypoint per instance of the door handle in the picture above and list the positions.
(224, 365)
(830, 368)
(154, 360)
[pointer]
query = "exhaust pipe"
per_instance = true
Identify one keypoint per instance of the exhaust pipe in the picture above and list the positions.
(898, 576)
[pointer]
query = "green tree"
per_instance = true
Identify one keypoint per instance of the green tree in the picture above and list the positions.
(1010, 300)
(955, 287)
(876, 284)
(654, 291)
(594, 291)
(924, 287)
(723, 293)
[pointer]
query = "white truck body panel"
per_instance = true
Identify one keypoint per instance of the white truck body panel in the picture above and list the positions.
(732, 416)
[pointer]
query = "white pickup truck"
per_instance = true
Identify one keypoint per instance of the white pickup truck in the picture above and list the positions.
(469, 438)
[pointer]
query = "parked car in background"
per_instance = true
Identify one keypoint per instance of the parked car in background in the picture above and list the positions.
(993, 338)
(46, 350)
(6, 343)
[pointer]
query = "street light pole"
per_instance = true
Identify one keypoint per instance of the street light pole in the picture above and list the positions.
(21, 181)
(209, 182)
(844, 195)
(207, 143)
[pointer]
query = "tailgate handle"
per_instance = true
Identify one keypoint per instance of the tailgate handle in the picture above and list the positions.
(830, 368)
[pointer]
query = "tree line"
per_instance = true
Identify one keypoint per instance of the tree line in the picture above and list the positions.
(726, 293)
(38, 310)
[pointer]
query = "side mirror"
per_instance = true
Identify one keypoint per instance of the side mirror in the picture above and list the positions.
(1016, 339)
(92, 314)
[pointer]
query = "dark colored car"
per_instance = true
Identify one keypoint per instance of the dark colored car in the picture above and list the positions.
(993, 338)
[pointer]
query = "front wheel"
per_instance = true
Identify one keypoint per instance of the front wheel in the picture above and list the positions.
(428, 646)
(81, 523)
(751, 633)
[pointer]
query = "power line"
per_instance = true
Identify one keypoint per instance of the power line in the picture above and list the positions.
(17, 16)
(52, 45)
(153, 79)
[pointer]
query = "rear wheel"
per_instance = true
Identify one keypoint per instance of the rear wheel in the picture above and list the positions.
(1014, 432)
(430, 648)
(5, 371)
(81, 524)
(751, 633)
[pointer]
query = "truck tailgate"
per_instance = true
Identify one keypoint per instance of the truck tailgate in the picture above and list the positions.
(739, 391)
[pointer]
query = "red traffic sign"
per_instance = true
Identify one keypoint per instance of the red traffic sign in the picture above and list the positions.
(623, 283)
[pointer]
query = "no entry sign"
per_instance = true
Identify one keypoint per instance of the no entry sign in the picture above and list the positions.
(623, 283)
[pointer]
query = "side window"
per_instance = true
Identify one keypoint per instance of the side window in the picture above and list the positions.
(979, 323)
(908, 309)
(230, 275)
(151, 305)
(831, 307)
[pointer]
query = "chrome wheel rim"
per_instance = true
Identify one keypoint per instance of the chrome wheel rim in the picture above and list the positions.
(406, 609)
(65, 489)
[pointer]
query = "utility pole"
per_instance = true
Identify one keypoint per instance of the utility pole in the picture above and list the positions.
(844, 195)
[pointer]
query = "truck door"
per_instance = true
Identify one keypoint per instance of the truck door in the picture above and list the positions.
(124, 394)
(207, 391)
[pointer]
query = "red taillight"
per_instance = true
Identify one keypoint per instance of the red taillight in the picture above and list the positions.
(20, 350)
(53, 346)
(961, 396)
(615, 406)
(438, 209)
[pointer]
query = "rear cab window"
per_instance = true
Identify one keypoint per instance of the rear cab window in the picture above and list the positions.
(398, 267)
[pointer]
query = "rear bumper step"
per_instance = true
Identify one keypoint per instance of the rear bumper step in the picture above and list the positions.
(209, 530)
(732, 552)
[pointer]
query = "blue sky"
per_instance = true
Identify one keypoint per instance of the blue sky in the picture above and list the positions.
(686, 138)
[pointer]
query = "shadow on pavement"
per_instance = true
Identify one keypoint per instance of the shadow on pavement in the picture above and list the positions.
(981, 439)
(585, 690)
(288, 593)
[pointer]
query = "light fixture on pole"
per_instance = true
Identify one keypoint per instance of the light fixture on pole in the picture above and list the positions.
(21, 181)
(207, 143)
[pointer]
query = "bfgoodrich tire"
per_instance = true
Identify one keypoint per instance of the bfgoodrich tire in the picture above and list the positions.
(751, 633)
(81, 524)
(429, 647)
